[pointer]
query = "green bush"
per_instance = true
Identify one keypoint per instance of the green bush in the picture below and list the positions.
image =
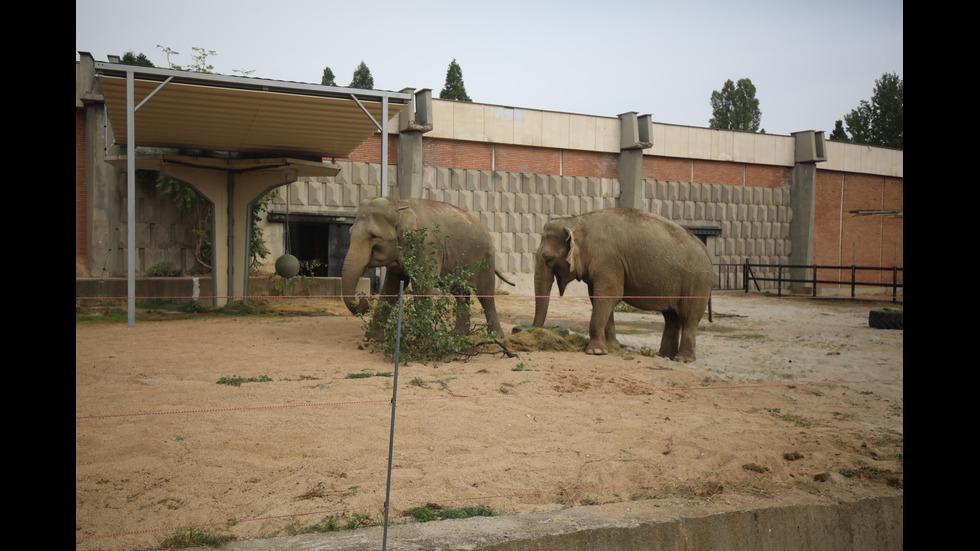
(429, 314)
(164, 268)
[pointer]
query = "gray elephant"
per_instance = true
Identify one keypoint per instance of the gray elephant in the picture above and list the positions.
(376, 233)
(626, 254)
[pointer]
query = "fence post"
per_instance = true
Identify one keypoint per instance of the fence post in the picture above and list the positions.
(779, 280)
(394, 400)
(745, 275)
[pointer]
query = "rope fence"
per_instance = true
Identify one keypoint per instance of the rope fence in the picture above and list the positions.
(123, 416)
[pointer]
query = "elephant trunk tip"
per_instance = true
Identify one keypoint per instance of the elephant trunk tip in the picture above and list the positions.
(356, 306)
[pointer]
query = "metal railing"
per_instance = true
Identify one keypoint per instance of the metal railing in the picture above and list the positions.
(744, 276)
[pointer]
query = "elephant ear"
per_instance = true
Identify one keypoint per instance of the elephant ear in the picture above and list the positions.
(407, 220)
(573, 254)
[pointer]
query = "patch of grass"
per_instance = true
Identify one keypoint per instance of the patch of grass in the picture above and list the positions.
(432, 511)
(368, 375)
(235, 380)
(798, 420)
(195, 538)
(333, 524)
(117, 311)
(744, 336)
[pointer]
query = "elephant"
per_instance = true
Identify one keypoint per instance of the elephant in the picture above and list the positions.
(627, 254)
(378, 229)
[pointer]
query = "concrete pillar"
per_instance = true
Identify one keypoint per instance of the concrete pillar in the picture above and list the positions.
(636, 134)
(809, 151)
(413, 121)
(105, 184)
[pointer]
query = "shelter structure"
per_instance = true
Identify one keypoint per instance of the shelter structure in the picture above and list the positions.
(232, 139)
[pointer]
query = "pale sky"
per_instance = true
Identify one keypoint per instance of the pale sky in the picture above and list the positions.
(811, 62)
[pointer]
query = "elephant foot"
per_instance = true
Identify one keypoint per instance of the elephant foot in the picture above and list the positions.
(680, 357)
(596, 350)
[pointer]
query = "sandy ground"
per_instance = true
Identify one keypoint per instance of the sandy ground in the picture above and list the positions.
(791, 400)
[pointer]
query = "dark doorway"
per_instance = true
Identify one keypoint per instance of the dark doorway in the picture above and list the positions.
(320, 238)
(325, 243)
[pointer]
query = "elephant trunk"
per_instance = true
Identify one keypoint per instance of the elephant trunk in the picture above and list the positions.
(543, 278)
(354, 266)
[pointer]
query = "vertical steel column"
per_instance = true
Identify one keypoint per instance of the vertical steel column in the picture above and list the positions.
(131, 198)
(384, 146)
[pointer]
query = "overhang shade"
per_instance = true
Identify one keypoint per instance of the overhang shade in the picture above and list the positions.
(307, 120)
(233, 138)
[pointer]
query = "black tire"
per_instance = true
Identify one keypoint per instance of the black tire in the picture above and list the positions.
(886, 319)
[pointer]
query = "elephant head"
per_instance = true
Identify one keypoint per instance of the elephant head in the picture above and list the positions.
(557, 260)
(374, 239)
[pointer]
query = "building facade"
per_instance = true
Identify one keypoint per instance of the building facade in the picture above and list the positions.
(758, 198)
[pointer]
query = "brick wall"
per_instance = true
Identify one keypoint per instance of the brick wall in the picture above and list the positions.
(370, 151)
(452, 154)
(844, 238)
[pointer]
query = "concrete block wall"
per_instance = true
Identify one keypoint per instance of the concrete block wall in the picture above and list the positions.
(515, 207)
(754, 221)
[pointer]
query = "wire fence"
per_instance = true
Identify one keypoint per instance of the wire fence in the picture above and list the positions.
(124, 416)
(760, 277)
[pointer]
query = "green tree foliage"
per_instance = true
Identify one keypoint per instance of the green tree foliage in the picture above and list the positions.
(130, 58)
(199, 59)
(454, 88)
(735, 107)
(879, 121)
(327, 79)
(428, 320)
(839, 135)
(362, 78)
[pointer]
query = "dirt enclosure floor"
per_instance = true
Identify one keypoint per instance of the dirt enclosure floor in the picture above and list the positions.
(791, 400)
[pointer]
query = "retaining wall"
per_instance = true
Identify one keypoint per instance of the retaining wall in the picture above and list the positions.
(200, 288)
(863, 525)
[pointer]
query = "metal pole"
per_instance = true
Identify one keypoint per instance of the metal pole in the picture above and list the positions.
(384, 146)
(131, 198)
(394, 401)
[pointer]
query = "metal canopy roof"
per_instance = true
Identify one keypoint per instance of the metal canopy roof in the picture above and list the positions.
(202, 111)
(257, 131)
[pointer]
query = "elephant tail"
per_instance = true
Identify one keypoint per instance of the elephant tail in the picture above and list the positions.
(709, 309)
(504, 279)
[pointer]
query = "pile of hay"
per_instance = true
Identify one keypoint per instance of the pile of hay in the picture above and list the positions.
(538, 339)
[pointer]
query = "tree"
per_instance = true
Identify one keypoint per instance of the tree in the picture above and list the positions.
(879, 121)
(454, 88)
(362, 78)
(130, 58)
(838, 135)
(327, 78)
(735, 107)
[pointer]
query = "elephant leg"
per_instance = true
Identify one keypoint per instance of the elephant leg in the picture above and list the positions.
(462, 313)
(611, 341)
(484, 287)
(600, 325)
(388, 302)
(671, 335)
(490, 311)
(689, 332)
